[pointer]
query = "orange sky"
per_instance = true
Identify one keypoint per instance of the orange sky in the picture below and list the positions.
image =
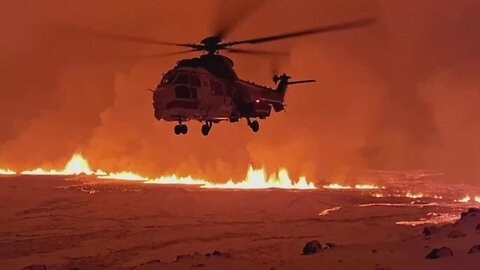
(401, 94)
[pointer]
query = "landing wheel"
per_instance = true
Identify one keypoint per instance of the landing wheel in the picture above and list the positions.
(184, 129)
(205, 129)
(255, 126)
(177, 130)
(180, 129)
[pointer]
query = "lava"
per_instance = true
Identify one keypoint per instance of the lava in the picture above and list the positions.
(397, 205)
(366, 186)
(336, 186)
(412, 195)
(76, 165)
(432, 218)
(477, 199)
(255, 179)
(7, 172)
(328, 211)
(464, 199)
(357, 186)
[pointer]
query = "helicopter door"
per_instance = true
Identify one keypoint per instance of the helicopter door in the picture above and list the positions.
(195, 84)
(220, 105)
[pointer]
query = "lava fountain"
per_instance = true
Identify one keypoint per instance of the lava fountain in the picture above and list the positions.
(255, 179)
(7, 172)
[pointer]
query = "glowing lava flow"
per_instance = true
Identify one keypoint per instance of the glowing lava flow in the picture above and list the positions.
(7, 172)
(357, 186)
(256, 178)
(76, 165)
(477, 199)
(365, 186)
(464, 199)
(413, 195)
(336, 186)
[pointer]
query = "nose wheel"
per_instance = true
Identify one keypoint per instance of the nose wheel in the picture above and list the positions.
(206, 128)
(254, 125)
(180, 129)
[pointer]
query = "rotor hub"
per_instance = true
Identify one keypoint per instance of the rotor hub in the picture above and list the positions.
(211, 44)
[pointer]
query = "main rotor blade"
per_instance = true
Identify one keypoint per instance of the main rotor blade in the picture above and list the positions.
(161, 55)
(237, 14)
(125, 38)
(323, 29)
(256, 52)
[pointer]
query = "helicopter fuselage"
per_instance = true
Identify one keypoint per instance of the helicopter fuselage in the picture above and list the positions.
(187, 93)
(208, 90)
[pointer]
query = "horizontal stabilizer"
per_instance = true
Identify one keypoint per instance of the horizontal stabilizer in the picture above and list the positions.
(303, 81)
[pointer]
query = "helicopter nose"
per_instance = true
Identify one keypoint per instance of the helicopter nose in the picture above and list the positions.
(157, 99)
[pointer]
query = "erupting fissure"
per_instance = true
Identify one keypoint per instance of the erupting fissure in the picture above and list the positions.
(465, 199)
(7, 172)
(256, 178)
(357, 186)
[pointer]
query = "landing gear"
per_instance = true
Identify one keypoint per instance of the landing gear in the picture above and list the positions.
(206, 128)
(254, 125)
(180, 129)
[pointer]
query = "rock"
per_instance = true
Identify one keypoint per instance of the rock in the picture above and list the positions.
(330, 245)
(456, 234)
(312, 247)
(154, 262)
(474, 249)
(219, 254)
(427, 231)
(183, 257)
(379, 267)
(439, 253)
(36, 267)
(478, 228)
(151, 263)
(471, 212)
(198, 265)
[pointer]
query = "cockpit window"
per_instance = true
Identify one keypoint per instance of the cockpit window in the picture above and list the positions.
(194, 80)
(185, 92)
(182, 91)
(167, 79)
(182, 78)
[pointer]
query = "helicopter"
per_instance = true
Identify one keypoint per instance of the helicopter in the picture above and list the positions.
(207, 89)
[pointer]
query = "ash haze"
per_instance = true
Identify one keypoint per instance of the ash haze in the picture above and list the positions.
(402, 94)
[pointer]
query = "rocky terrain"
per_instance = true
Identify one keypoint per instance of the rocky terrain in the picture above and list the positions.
(59, 224)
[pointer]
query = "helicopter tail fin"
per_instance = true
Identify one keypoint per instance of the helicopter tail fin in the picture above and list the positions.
(283, 83)
(276, 98)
